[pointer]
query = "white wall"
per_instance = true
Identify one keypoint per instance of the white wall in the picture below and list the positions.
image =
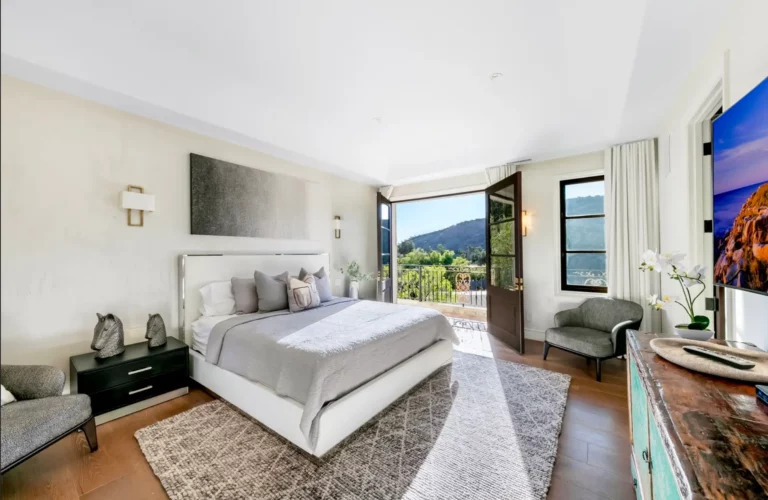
(743, 43)
(67, 252)
(541, 254)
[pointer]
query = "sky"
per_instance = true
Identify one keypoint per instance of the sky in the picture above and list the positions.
(741, 142)
(420, 217)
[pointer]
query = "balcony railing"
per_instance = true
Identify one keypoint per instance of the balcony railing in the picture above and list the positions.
(587, 277)
(461, 285)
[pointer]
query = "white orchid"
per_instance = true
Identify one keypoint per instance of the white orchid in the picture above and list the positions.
(693, 276)
(661, 262)
(658, 303)
(672, 264)
(670, 260)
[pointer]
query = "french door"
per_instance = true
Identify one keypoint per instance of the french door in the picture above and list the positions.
(384, 276)
(504, 262)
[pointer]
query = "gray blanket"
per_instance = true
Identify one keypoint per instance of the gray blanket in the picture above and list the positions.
(318, 355)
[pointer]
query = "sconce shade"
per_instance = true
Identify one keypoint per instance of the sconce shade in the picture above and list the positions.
(337, 226)
(137, 201)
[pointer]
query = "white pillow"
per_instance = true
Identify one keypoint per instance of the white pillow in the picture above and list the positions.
(218, 299)
(6, 396)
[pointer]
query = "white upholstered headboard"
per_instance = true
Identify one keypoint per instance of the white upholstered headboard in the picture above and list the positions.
(196, 271)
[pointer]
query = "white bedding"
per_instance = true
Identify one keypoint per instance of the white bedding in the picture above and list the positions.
(201, 330)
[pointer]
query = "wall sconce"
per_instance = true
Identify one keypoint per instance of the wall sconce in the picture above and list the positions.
(526, 222)
(135, 199)
(337, 227)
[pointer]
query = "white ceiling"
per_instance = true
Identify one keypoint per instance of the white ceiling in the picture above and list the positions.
(383, 91)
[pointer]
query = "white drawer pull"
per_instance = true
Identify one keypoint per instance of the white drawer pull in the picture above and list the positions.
(134, 372)
(131, 393)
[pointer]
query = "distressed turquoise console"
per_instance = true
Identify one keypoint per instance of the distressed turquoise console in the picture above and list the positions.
(693, 436)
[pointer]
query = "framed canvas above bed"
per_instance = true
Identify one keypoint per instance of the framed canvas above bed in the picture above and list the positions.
(233, 200)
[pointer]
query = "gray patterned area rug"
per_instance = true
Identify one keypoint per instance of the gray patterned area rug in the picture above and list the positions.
(478, 429)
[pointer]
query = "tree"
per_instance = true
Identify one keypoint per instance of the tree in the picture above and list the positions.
(474, 254)
(405, 247)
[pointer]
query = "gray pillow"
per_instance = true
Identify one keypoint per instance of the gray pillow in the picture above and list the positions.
(271, 291)
(246, 300)
(323, 282)
(302, 294)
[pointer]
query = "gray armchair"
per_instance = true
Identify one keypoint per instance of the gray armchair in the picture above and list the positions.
(597, 329)
(40, 416)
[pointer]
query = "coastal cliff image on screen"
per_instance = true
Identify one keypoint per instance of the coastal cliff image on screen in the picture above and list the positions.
(740, 147)
(233, 200)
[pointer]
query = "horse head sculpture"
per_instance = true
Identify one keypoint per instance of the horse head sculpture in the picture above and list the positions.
(108, 336)
(156, 331)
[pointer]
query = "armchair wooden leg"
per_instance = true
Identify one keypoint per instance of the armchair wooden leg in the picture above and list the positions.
(89, 429)
(599, 375)
(546, 350)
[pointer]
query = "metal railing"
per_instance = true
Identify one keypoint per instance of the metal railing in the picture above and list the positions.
(462, 285)
(587, 277)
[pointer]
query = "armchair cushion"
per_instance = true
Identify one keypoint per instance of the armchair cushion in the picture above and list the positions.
(32, 381)
(583, 340)
(569, 317)
(604, 314)
(28, 425)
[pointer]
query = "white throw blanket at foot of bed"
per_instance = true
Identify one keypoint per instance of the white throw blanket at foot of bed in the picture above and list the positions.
(318, 355)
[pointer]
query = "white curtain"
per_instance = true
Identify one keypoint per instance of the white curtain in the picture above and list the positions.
(495, 174)
(632, 223)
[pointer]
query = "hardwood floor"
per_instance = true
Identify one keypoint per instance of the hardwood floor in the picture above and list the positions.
(592, 461)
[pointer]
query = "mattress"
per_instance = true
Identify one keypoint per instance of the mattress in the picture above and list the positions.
(318, 355)
(201, 330)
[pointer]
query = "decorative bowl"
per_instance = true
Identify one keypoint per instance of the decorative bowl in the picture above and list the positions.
(684, 332)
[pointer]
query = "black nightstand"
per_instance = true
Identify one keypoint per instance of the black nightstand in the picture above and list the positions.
(138, 378)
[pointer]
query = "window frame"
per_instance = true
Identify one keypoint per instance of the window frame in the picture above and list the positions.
(564, 286)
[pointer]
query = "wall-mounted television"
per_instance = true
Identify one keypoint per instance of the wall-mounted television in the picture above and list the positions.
(740, 185)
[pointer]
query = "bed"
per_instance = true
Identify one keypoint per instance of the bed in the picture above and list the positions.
(316, 376)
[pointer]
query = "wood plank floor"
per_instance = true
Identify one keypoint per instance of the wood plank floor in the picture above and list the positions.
(592, 461)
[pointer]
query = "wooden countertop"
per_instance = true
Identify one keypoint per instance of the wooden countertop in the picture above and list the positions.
(715, 431)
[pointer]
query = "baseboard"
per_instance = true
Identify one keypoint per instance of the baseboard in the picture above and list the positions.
(141, 405)
(537, 335)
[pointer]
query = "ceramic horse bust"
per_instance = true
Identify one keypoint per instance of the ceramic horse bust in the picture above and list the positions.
(156, 331)
(108, 337)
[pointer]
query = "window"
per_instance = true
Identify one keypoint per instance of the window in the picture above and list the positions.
(582, 235)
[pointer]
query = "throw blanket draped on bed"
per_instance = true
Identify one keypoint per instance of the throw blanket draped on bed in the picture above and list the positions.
(318, 355)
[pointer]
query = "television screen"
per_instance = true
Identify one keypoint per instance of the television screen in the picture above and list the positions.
(740, 185)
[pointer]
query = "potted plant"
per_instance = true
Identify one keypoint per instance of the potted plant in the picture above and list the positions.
(355, 277)
(672, 265)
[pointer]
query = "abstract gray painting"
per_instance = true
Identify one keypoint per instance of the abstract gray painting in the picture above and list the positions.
(233, 200)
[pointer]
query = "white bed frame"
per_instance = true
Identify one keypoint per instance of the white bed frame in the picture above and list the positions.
(340, 418)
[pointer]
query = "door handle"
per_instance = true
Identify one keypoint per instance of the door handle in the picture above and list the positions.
(647, 459)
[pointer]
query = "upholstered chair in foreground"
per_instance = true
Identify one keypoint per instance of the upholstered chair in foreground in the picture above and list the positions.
(40, 416)
(597, 329)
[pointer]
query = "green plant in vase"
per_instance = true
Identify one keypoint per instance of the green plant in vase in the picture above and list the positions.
(689, 279)
(355, 277)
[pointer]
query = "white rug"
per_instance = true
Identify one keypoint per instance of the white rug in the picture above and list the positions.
(478, 429)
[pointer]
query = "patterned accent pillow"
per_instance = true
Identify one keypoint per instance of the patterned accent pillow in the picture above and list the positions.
(322, 281)
(302, 294)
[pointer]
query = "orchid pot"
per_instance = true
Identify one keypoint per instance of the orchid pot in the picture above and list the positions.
(689, 280)
(685, 332)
